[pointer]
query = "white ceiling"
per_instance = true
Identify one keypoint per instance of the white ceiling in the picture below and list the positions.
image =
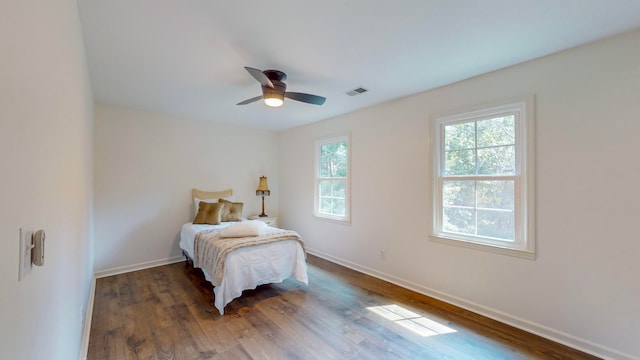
(186, 57)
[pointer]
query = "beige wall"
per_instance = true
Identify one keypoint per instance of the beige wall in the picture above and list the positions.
(146, 166)
(46, 161)
(583, 288)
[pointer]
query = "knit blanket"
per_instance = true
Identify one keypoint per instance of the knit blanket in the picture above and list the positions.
(211, 249)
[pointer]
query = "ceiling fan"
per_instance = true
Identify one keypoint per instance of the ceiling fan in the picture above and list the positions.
(274, 89)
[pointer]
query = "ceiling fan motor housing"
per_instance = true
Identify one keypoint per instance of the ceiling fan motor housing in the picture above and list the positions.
(279, 87)
(275, 75)
(278, 90)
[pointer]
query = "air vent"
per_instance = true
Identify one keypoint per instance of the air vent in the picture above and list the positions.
(356, 91)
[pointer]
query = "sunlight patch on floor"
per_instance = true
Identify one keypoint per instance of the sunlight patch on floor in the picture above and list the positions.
(410, 320)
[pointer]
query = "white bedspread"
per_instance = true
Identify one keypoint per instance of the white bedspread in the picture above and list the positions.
(249, 267)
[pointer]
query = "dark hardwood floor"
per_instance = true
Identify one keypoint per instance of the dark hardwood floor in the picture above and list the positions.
(167, 313)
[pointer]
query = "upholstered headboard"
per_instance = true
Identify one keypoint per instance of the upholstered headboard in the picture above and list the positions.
(200, 194)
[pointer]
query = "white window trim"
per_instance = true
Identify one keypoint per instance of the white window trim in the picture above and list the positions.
(524, 180)
(316, 165)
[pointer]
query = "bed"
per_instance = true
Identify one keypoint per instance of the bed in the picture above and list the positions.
(244, 267)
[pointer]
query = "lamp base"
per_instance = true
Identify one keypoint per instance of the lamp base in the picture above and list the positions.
(262, 214)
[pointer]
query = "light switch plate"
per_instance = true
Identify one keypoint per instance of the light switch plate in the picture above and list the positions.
(25, 252)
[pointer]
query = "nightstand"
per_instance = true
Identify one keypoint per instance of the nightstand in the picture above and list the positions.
(269, 220)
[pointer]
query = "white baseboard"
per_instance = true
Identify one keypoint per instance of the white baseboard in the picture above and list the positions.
(86, 330)
(523, 324)
(136, 267)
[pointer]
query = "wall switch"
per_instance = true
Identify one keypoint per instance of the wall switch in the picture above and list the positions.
(25, 252)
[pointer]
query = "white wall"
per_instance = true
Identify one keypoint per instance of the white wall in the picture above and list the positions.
(583, 288)
(146, 166)
(46, 160)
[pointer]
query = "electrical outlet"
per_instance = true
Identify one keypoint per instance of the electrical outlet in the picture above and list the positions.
(25, 252)
(382, 254)
(81, 315)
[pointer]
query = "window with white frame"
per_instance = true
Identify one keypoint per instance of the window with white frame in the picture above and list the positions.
(484, 179)
(332, 178)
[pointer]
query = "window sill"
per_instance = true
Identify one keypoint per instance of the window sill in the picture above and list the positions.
(524, 254)
(337, 220)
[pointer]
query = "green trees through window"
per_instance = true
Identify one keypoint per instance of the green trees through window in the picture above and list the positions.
(484, 178)
(332, 178)
(473, 206)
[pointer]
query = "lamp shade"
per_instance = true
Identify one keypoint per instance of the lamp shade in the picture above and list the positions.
(263, 187)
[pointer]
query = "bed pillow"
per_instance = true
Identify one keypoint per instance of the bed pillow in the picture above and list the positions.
(244, 229)
(208, 196)
(209, 213)
(232, 210)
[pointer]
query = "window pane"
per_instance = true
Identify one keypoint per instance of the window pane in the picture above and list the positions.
(338, 207)
(497, 160)
(459, 206)
(325, 188)
(332, 197)
(337, 189)
(333, 160)
(459, 136)
(325, 205)
(497, 194)
(459, 220)
(493, 201)
(460, 162)
(332, 188)
(459, 193)
(496, 131)
(496, 224)
(333, 206)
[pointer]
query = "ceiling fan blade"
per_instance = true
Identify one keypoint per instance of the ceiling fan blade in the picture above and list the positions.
(249, 101)
(307, 98)
(260, 76)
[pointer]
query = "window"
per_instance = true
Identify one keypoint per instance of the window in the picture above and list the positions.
(484, 179)
(332, 179)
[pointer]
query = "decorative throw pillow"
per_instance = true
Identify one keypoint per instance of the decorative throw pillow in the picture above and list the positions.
(244, 229)
(232, 210)
(209, 213)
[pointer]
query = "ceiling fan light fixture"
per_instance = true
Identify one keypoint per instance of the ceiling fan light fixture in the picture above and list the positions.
(273, 100)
